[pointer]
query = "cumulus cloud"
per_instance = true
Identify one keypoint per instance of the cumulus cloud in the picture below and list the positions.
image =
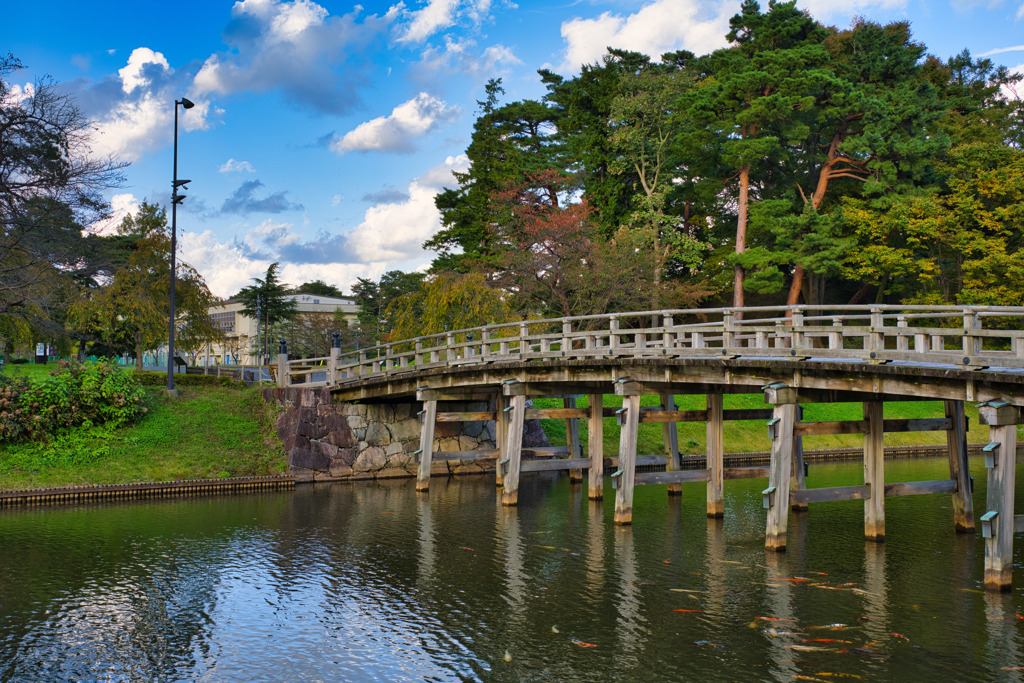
(440, 15)
(232, 166)
(390, 236)
(463, 55)
(121, 205)
(136, 117)
(293, 46)
(662, 26)
(395, 132)
(244, 201)
(144, 65)
(395, 232)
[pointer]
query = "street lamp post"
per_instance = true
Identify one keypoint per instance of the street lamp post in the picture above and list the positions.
(175, 200)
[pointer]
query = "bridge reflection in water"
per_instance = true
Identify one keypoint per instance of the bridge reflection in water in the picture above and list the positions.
(794, 355)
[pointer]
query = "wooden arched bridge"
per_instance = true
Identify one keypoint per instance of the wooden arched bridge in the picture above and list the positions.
(794, 355)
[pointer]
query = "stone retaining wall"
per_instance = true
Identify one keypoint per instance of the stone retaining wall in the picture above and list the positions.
(334, 441)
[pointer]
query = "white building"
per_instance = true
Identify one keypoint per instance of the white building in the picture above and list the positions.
(240, 331)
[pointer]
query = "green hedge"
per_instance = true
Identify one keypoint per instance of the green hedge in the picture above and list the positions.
(150, 378)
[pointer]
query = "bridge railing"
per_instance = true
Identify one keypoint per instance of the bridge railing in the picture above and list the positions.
(969, 337)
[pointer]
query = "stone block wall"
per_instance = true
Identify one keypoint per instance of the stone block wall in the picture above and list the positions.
(334, 441)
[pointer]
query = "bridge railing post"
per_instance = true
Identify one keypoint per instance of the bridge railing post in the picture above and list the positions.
(835, 337)
(971, 344)
(284, 379)
(667, 341)
(875, 341)
(485, 341)
(781, 336)
(728, 329)
(524, 337)
(332, 363)
(613, 334)
(798, 328)
(902, 340)
(566, 337)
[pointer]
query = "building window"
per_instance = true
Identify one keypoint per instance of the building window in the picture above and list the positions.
(225, 322)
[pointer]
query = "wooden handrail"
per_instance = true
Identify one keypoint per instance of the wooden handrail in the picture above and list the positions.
(870, 333)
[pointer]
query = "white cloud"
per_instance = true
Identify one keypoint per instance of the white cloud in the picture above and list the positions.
(225, 267)
(437, 15)
(440, 15)
(390, 236)
(394, 133)
(229, 267)
(460, 55)
(143, 120)
(662, 26)
(295, 47)
(140, 64)
(828, 9)
(395, 232)
(232, 166)
(1020, 12)
(121, 205)
(1001, 50)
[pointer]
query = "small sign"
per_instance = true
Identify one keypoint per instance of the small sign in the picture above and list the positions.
(40, 349)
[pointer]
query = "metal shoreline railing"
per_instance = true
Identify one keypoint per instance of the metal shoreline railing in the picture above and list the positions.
(965, 337)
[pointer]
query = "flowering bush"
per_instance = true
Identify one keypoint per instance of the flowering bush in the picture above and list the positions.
(74, 394)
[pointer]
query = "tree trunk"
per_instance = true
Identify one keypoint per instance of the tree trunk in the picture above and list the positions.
(741, 234)
(138, 351)
(794, 288)
(861, 293)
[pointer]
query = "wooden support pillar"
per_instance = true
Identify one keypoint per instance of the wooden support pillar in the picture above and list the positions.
(572, 439)
(595, 447)
(513, 452)
(798, 480)
(997, 522)
(715, 454)
(959, 472)
(630, 421)
(429, 417)
(874, 473)
(776, 496)
(670, 436)
(501, 405)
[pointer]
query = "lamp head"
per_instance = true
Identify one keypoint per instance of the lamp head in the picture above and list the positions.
(186, 103)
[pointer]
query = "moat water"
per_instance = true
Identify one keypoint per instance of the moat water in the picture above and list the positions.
(372, 581)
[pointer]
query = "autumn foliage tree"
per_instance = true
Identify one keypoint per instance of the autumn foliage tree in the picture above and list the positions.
(447, 302)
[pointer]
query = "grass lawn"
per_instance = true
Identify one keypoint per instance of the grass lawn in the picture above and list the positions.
(208, 432)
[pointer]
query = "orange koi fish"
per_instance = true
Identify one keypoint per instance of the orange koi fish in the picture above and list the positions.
(687, 610)
(582, 644)
(773, 619)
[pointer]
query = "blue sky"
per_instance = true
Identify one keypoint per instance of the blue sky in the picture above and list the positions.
(322, 131)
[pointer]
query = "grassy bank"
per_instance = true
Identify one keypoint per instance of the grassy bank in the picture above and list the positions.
(208, 432)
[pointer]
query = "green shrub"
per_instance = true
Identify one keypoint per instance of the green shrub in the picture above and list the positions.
(89, 394)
